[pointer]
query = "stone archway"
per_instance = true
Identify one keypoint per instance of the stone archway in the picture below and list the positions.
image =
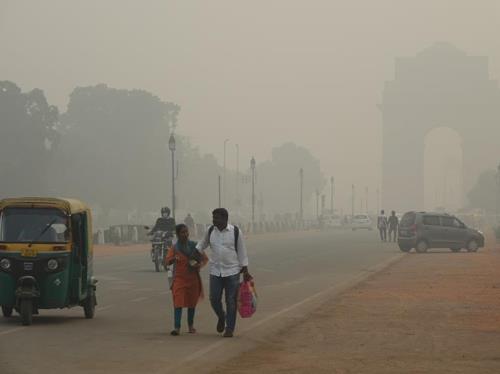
(441, 85)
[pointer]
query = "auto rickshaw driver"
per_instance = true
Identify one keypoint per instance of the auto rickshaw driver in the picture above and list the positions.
(39, 230)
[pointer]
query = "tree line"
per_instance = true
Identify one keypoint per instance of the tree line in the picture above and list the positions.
(110, 149)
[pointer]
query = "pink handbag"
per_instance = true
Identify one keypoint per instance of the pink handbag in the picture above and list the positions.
(247, 299)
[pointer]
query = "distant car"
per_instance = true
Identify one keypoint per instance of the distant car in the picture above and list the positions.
(361, 221)
(422, 231)
(332, 221)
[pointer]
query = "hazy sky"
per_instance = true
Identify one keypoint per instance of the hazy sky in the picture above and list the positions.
(258, 72)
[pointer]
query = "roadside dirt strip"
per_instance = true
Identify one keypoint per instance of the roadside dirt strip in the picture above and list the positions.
(428, 313)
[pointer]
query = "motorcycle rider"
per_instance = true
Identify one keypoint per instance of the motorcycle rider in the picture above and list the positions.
(164, 223)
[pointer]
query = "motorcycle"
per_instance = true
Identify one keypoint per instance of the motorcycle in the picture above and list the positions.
(160, 242)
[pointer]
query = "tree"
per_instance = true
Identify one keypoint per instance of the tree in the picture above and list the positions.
(484, 194)
(278, 179)
(114, 148)
(28, 139)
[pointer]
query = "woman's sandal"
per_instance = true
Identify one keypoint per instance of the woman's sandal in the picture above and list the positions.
(192, 330)
(174, 332)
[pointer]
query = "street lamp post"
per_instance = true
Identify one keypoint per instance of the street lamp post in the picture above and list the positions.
(171, 146)
(237, 175)
(224, 175)
(252, 166)
(220, 203)
(352, 201)
(301, 188)
(317, 204)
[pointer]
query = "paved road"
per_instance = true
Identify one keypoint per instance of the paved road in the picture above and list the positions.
(130, 333)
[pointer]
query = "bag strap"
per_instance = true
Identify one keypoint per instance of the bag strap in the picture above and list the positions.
(236, 235)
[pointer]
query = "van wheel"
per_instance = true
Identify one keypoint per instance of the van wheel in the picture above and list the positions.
(7, 311)
(472, 246)
(422, 246)
(26, 311)
(89, 306)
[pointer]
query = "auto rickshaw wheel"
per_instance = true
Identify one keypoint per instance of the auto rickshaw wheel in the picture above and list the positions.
(7, 311)
(89, 306)
(26, 312)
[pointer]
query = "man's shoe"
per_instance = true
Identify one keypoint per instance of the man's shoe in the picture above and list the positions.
(221, 324)
(228, 334)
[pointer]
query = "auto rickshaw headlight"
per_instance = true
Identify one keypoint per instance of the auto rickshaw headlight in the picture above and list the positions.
(52, 264)
(5, 264)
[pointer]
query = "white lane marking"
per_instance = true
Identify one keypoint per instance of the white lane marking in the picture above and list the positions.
(138, 299)
(352, 281)
(12, 330)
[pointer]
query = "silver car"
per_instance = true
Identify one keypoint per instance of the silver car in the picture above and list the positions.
(422, 231)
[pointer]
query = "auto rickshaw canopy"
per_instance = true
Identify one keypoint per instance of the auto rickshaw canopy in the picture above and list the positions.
(69, 206)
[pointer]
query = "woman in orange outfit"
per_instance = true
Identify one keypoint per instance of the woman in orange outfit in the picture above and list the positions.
(187, 288)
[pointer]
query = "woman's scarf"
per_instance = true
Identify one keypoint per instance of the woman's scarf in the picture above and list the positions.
(187, 249)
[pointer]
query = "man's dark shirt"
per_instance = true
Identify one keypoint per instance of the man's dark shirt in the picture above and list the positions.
(393, 222)
(164, 224)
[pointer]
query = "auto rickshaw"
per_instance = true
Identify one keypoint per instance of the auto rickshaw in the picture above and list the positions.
(45, 256)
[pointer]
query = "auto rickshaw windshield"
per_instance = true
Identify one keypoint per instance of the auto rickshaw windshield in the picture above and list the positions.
(37, 225)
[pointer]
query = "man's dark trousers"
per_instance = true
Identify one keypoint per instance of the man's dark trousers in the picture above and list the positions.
(228, 285)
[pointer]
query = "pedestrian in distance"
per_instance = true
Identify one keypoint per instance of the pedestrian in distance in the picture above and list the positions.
(228, 260)
(382, 225)
(187, 288)
(393, 226)
(189, 221)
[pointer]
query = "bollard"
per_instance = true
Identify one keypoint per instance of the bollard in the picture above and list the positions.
(135, 235)
(100, 237)
(117, 235)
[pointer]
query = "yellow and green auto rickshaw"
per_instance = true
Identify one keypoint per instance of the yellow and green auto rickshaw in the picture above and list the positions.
(45, 256)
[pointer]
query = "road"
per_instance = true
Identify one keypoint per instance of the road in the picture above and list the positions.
(130, 333)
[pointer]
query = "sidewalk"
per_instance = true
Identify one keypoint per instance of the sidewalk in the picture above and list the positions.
(103, 250)
(428, 313)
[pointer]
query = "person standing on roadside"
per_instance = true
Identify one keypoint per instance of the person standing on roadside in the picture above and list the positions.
(228, 259)
(393, 226)
(382, 225)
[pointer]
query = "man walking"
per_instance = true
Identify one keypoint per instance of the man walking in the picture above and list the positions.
(228, 259)
(393, 226)
(382, 226)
